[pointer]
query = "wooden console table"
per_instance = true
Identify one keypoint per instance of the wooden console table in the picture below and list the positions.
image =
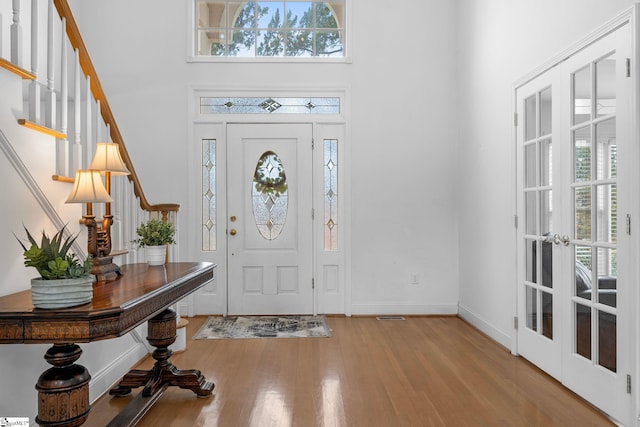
(142, 293)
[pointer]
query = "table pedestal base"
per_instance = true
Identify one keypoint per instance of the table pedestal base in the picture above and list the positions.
(162, 333)
(63, 391)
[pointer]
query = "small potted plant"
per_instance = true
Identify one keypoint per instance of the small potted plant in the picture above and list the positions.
(64, 280)
(154, 235)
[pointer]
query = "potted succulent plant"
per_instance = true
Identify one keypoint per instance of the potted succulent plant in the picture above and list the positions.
(64, 280)
(155, 235)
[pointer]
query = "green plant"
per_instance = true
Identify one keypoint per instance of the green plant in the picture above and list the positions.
(52, 258)
(155, 232)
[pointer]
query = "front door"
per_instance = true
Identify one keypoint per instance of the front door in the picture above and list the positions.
(269, 219)
(574, 151)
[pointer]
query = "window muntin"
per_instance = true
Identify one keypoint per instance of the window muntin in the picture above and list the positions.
(270, 28)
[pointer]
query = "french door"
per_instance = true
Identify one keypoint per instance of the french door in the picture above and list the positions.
(269, 224)
(539, 205)
(574, 139)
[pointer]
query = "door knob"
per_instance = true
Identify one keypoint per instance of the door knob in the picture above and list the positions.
(564, 239)
(233, 231)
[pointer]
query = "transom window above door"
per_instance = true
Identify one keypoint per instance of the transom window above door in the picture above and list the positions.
(269, 28)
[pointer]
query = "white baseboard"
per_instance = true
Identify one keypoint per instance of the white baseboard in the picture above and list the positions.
(103, 380)
(484, 326)
(400, 309)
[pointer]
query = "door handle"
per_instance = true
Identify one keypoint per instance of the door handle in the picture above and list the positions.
(564, 239)
(233, 231)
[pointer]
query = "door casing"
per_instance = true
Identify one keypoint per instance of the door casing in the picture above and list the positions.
(332, 289)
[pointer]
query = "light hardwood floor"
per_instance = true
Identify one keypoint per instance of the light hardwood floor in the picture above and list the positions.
(424, 371)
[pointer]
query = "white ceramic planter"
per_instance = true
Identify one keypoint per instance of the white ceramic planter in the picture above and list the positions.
(156, 254)
(61, 293)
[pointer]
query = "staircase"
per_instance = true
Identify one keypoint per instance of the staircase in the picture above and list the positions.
(64, 100)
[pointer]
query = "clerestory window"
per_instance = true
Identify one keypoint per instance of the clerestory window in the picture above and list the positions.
(269, 28)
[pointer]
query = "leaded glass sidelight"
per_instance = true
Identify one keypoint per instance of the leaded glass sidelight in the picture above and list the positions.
(208, 195)
(270, 195)
(330, 195)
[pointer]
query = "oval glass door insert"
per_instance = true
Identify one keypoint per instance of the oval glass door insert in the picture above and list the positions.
(270, 195)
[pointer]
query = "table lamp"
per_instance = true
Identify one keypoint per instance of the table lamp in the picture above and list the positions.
(106, 161)
(88, 188)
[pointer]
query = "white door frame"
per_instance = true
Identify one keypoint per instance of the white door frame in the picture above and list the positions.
(332, 273)
(630, 16)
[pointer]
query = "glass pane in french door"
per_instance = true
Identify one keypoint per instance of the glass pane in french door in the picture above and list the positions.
(595, 217)
(538, 212)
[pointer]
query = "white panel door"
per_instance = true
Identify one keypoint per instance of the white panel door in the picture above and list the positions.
(269, 218)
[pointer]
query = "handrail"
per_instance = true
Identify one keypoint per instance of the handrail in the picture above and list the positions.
(96, 88)
(24, 74)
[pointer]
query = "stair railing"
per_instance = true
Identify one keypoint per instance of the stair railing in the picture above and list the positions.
(76, 72)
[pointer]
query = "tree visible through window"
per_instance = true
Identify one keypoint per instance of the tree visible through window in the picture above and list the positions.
(270, 28)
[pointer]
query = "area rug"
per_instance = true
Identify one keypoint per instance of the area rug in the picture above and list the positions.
(263, 327)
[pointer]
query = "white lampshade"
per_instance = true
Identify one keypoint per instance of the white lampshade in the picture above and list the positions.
(88, 188)
(108, 159)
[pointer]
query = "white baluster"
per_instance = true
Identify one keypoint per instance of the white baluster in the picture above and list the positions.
(117, 231)
(129, 220)
(88, 139)
(34, 89)
(134, 221)
(173, 249)
(16, 35)
(99, 122)
(140, 217)
(77, 101)
(126, 220)
(62, 145)
(51, 119)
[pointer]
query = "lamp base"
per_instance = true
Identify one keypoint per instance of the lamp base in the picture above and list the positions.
(104, 269)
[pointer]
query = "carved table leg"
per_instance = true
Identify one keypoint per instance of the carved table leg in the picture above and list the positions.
(63, 391)
(162, 333)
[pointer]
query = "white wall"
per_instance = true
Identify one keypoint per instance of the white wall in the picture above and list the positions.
(403, 133)
(500, 41)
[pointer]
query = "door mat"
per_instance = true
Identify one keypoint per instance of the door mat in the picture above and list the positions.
(263, 327)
